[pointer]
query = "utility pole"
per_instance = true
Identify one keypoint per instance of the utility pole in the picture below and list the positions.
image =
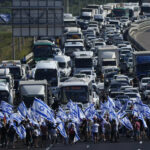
(67, 6)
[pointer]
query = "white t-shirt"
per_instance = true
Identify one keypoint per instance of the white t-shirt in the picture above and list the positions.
(95, 127)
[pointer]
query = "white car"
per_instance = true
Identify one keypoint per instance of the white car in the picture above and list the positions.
(144, 82)
(146, 92)
(133, 96)
(135, 90)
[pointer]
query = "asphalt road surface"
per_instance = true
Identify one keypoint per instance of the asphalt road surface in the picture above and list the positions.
(104, 146)
(122, 145)
(144, 39)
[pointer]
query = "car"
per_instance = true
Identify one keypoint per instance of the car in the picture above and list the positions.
(132, 95)
(143, 83)
(146, 93)
(124, 87)
(121, 76)
(114, 86)
(115, 94)
(135, 90)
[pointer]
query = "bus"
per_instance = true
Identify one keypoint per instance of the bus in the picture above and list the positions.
(79, 90)
(43, 50)
(120, 12)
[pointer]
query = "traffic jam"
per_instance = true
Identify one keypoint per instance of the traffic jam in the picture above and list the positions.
(93, 87)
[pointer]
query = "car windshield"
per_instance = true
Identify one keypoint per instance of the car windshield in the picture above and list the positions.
(16, 72)
(42, 51)
(115, 86)
(148, 87)
(132, 95)
(108, 63)
(62, 64)
(83, 62)
(145, 80)
(4, 95)
(48, 74)
(71, 49)
(75, 93)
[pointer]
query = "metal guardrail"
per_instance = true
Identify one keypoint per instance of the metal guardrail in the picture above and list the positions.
(28, 59)
(136, 28)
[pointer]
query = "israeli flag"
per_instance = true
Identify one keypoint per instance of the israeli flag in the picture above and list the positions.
(43, 110)
(118, 105)
(105, 106)
(126, 122)
(1, 115)
(111, 102)
(22, 109)
(143, 120)
(90, 112)
(62, 130)
(6, 108)
(17, 117)
(76, 138)
(21, 131)
(62, 114)
(121, 114)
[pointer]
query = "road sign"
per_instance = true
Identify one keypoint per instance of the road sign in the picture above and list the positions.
(37, 18)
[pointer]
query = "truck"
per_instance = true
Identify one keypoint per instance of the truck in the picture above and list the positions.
(6, 94)
(30, 89)
(48, 70)
(17, 71)
(141, 63)
(83, 60)
(108, 57)
(5, 75)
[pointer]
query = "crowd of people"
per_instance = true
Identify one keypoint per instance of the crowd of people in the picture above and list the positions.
(96, 130)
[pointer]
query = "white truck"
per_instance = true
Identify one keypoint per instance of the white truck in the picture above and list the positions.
(108, 57)
(30, 89)
(48, 70)
(17, 70)
(6, 93)
(64, 63)
(83, 60)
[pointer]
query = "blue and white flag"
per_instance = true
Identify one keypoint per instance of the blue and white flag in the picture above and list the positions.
(1, 115)
(62, 114)
(76, 138)
(111, 102)
(6, 108)
(80, 113)
(62, 130)
(126, 122)
(22, 109)
(17, 117)
(118, 105)
(43, 110)
(121, 114)
(90, 112)
(105, 106)
(142, 119)
(21, 131)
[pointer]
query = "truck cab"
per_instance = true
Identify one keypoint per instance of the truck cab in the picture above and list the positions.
(64, 63)
(5, 75)
(83, 61)
(6, 94)
(17, 71)
(34, 89)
